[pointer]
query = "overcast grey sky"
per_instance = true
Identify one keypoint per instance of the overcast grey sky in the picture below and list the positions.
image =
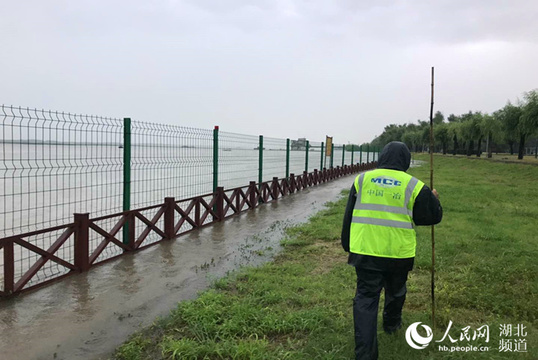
(281, 68)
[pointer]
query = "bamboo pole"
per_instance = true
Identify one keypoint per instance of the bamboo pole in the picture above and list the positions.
(431, 186)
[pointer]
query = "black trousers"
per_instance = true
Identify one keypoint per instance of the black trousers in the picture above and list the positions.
(366, 303)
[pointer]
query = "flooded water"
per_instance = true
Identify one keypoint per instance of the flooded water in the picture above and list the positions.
(44, 185)
(86, 316)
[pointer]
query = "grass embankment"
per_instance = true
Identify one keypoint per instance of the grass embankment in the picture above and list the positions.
(300, 305)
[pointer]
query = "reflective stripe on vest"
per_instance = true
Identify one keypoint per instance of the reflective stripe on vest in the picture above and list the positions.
(382, 223)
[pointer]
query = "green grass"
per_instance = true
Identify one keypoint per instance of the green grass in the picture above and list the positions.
(505, 157)
(300, 305)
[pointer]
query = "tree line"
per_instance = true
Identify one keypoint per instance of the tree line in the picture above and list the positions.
(506, 129)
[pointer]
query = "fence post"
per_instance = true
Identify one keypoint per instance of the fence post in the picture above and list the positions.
(197, 213)
(352, 153)
(321, 159)
(343, 155)
(220, 203)
(332, 155)
(360, 154)
(260, 160)
(237, 204)
(131, 240)
(215, 158)
(274, 188)
(126, 174)
(215, 161)
(368, 153)
(287, 158)
(306, 156)
(292, 183)
(260, 166)
(378, 153)
(82, 241)
(9, 267)
(169, 221)
(252, 195)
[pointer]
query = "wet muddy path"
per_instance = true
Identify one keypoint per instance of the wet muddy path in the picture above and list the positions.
(86, 316)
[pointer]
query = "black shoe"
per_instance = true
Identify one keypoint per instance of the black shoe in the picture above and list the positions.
(392, 329)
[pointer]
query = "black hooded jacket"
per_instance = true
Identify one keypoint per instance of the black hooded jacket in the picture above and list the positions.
(427, 210)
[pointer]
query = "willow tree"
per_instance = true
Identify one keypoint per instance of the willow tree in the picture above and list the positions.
(412, 138)
(477, 128)
(454, 130)
(528, 122)
(470, 130)
(442, 136)
(491, 129)
(509, 117)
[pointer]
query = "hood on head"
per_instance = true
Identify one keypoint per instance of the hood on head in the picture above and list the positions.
(396, 156)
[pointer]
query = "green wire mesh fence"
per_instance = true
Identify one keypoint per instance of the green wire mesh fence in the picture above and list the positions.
(297, 156)
(57, 164)
(169, 161)
(238, 159)
(314, 156)
(274, 158)
(166, 160)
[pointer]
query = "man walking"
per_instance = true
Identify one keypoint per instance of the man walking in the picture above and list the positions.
(379, 235)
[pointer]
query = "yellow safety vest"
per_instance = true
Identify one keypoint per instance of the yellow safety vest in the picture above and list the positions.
(382, 222)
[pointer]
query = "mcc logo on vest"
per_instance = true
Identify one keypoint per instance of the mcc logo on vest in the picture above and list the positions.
(386, 182)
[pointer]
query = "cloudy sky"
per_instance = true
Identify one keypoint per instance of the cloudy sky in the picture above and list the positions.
(281, 68)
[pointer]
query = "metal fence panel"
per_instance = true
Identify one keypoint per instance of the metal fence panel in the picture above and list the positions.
(238, 159)
(169, 161)
(274, 158)
(314, 156)
(55, 164)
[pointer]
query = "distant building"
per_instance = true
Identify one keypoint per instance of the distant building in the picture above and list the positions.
(299, 144)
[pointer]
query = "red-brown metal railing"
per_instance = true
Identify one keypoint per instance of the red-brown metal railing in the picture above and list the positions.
(179, 217)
